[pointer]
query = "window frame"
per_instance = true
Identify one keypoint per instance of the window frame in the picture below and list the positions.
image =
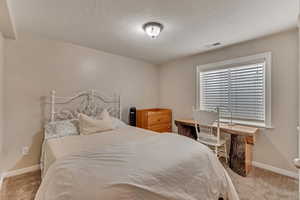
(262, 57)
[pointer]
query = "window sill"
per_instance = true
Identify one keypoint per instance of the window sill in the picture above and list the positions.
(248, 123)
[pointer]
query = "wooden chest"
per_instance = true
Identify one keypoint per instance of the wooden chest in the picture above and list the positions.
(155, 119)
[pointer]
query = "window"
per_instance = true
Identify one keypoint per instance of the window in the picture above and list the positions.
(239, 87)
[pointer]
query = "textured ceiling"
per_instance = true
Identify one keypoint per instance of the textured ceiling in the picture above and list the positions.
(116, 25)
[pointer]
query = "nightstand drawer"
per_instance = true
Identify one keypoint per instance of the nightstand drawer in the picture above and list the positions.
(161, 127)
(158, 118)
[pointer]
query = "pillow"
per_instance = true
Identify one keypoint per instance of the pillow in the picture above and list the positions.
(89, 125)
(62, 128)
(104, 115)
(117, 123)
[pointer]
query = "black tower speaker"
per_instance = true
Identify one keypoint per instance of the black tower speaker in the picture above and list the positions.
(132, 116)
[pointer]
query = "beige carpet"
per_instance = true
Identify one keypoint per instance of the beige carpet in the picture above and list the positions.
(264, 185)
(22, 187)
(259, 185)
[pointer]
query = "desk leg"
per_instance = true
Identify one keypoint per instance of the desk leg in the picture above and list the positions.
(237, 155)
(241, 154)
(188, 131)
(249, 142)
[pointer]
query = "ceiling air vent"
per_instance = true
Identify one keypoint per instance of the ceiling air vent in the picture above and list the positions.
(213, 45)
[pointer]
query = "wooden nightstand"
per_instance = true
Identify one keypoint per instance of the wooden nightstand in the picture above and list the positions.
(155, 119)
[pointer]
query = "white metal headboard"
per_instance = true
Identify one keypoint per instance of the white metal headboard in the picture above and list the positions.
(89, 102)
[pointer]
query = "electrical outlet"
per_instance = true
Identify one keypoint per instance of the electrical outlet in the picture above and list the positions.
(25, 150)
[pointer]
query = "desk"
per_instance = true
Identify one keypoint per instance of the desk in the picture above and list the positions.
(242, 141)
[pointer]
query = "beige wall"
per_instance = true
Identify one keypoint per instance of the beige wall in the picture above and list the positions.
(299, 89)
(36, 66)
(277, 146)
(1, 97)
(33, 67)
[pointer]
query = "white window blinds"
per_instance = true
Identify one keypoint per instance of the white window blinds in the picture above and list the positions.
(239, 92)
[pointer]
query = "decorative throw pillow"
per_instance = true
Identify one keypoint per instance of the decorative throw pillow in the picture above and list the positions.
(117, 123)
(61, 129)
(89, 125)
(104, 115)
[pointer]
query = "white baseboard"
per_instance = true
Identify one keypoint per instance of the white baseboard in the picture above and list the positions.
(1, 180)
(20, 171)
(276, 170)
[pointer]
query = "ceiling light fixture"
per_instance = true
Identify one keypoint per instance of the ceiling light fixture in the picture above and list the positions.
(153, 29)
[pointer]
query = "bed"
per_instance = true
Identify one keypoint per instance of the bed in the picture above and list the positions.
(126, 162)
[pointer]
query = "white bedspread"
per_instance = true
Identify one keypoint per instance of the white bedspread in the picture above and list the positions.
(58, 148)
(159, 166)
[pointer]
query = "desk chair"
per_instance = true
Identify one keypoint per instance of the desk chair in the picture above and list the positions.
(211, 135)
